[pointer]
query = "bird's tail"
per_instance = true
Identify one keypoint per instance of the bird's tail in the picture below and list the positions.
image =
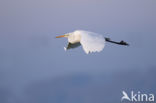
(119, 43)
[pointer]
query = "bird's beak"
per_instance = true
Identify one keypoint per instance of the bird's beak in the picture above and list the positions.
(60, 36)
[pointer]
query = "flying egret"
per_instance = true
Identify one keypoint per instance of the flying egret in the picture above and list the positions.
(90, 41)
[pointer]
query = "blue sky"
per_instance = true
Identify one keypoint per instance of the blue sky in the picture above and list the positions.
(34, 62)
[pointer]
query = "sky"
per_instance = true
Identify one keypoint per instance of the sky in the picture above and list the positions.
(34, 68)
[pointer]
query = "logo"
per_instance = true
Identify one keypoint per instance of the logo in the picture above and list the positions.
(137, 97)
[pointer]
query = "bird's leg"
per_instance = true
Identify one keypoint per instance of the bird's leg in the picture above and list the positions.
(119, 43)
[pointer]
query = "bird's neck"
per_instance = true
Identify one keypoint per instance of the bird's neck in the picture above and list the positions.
(74, 38)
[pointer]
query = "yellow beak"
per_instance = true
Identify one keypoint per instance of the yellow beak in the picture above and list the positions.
(60, 36)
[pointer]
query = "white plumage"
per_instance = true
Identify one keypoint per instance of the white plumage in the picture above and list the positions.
(90, 41)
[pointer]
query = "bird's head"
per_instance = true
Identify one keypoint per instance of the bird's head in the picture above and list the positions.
(65, 35)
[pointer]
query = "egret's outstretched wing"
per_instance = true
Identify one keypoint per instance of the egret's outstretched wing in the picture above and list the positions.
(72, 46)
(92, 42)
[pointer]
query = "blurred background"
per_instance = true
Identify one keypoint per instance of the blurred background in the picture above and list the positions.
(34, 68)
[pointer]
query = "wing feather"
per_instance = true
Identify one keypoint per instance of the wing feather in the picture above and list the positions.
(72, 46)
(92, 42)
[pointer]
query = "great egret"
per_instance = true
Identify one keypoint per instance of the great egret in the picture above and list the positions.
(90, 41)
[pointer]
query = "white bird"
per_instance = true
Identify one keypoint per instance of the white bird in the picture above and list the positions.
(90, 41)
